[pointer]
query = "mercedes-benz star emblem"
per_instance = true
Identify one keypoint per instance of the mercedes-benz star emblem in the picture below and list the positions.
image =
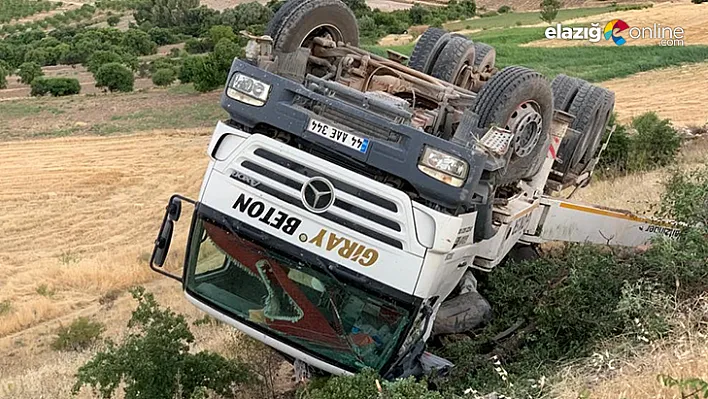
(317, 194)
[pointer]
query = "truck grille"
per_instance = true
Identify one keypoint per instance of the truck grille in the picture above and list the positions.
(353, 124)
(357, 209)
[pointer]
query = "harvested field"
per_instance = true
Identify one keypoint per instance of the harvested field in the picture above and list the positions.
(80, 214)
(675, 93)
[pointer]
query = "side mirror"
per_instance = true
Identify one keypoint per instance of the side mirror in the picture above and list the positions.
(164, 237)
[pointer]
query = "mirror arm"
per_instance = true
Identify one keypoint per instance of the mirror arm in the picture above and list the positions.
(165, 218)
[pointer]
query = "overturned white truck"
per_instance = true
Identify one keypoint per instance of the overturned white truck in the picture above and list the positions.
(350, 198)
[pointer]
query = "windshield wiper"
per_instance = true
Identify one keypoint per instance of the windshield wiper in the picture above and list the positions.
(340, 326)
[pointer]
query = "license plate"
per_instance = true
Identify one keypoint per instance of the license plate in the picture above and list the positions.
(337, 135)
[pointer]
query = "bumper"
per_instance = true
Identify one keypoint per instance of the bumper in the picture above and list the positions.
(393, 148)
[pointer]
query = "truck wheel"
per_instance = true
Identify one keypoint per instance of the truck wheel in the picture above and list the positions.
(519, 100)
(297, 22)
(587, 107)
(428, 48)
(484, 56)
(453, 61)
(564, 90)
(608, 106)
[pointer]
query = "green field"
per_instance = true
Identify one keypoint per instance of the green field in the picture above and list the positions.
(593, 63)
(524, 18)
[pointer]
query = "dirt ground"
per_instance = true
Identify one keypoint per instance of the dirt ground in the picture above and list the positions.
(693, 18)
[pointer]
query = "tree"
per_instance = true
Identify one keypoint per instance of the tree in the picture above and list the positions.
(549, 10)
(154, 360)
(162, 36)
(213, 70)
(418, 14)
(164, 77)
(113, 20)
(28, 71)
(3, 79)
(100, 58)
(138, 42)
(114, 77)
(218, 32)
(189, 67)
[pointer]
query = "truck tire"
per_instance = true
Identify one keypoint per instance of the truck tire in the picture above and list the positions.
(428, 48)
(298, 21)
(484, 56)
(457, 54)
(521, 101)
(608, 106)
(587, 107)
(565, 89)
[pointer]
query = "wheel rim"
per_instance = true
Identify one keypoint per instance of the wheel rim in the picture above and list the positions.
(326, 31)
(464, 76)
(526, 123)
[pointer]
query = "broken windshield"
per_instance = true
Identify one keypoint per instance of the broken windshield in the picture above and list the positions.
(292, 299)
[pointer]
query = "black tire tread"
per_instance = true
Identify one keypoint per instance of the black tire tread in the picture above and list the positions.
(448, 63)
(481, 50)
(606, 109)
(299, 9)
(565, 88)
(585, 108)
(420, 57)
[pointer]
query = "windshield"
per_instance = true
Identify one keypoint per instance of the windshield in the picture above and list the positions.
(293, 300)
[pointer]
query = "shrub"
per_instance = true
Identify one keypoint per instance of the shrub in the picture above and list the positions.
(138, 42)
(100, 58)
(164, 77)
(113, 20)
(656, 143)
(212, 72)
(549, 10)
(699, 1)
(28, 71)
(5, 307)
(198, 46)
(57, 87)
(188, 69)
(3, 78)
(114, 77)
(79, 335)
(218, 32)
(504, 9)
(364, 386)
(489, 14)
(162, 36)
(154, 360)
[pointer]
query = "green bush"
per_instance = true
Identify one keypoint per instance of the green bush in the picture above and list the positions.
(79, 335)
(28, 71)
(154, 361)
(164, 77)
(100, 58)
(489, 14)
(57, 87)
(138, 42)
(212, 71)
(572, 301)
(113, 20)
(162, 36)
(656, 143)
(114, 77)
(364, 386)
(3, 78)
(198, 46)
(504, 9)
(189, 67)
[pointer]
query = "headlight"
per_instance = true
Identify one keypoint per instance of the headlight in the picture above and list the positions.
(444, 167)
(248, 90)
